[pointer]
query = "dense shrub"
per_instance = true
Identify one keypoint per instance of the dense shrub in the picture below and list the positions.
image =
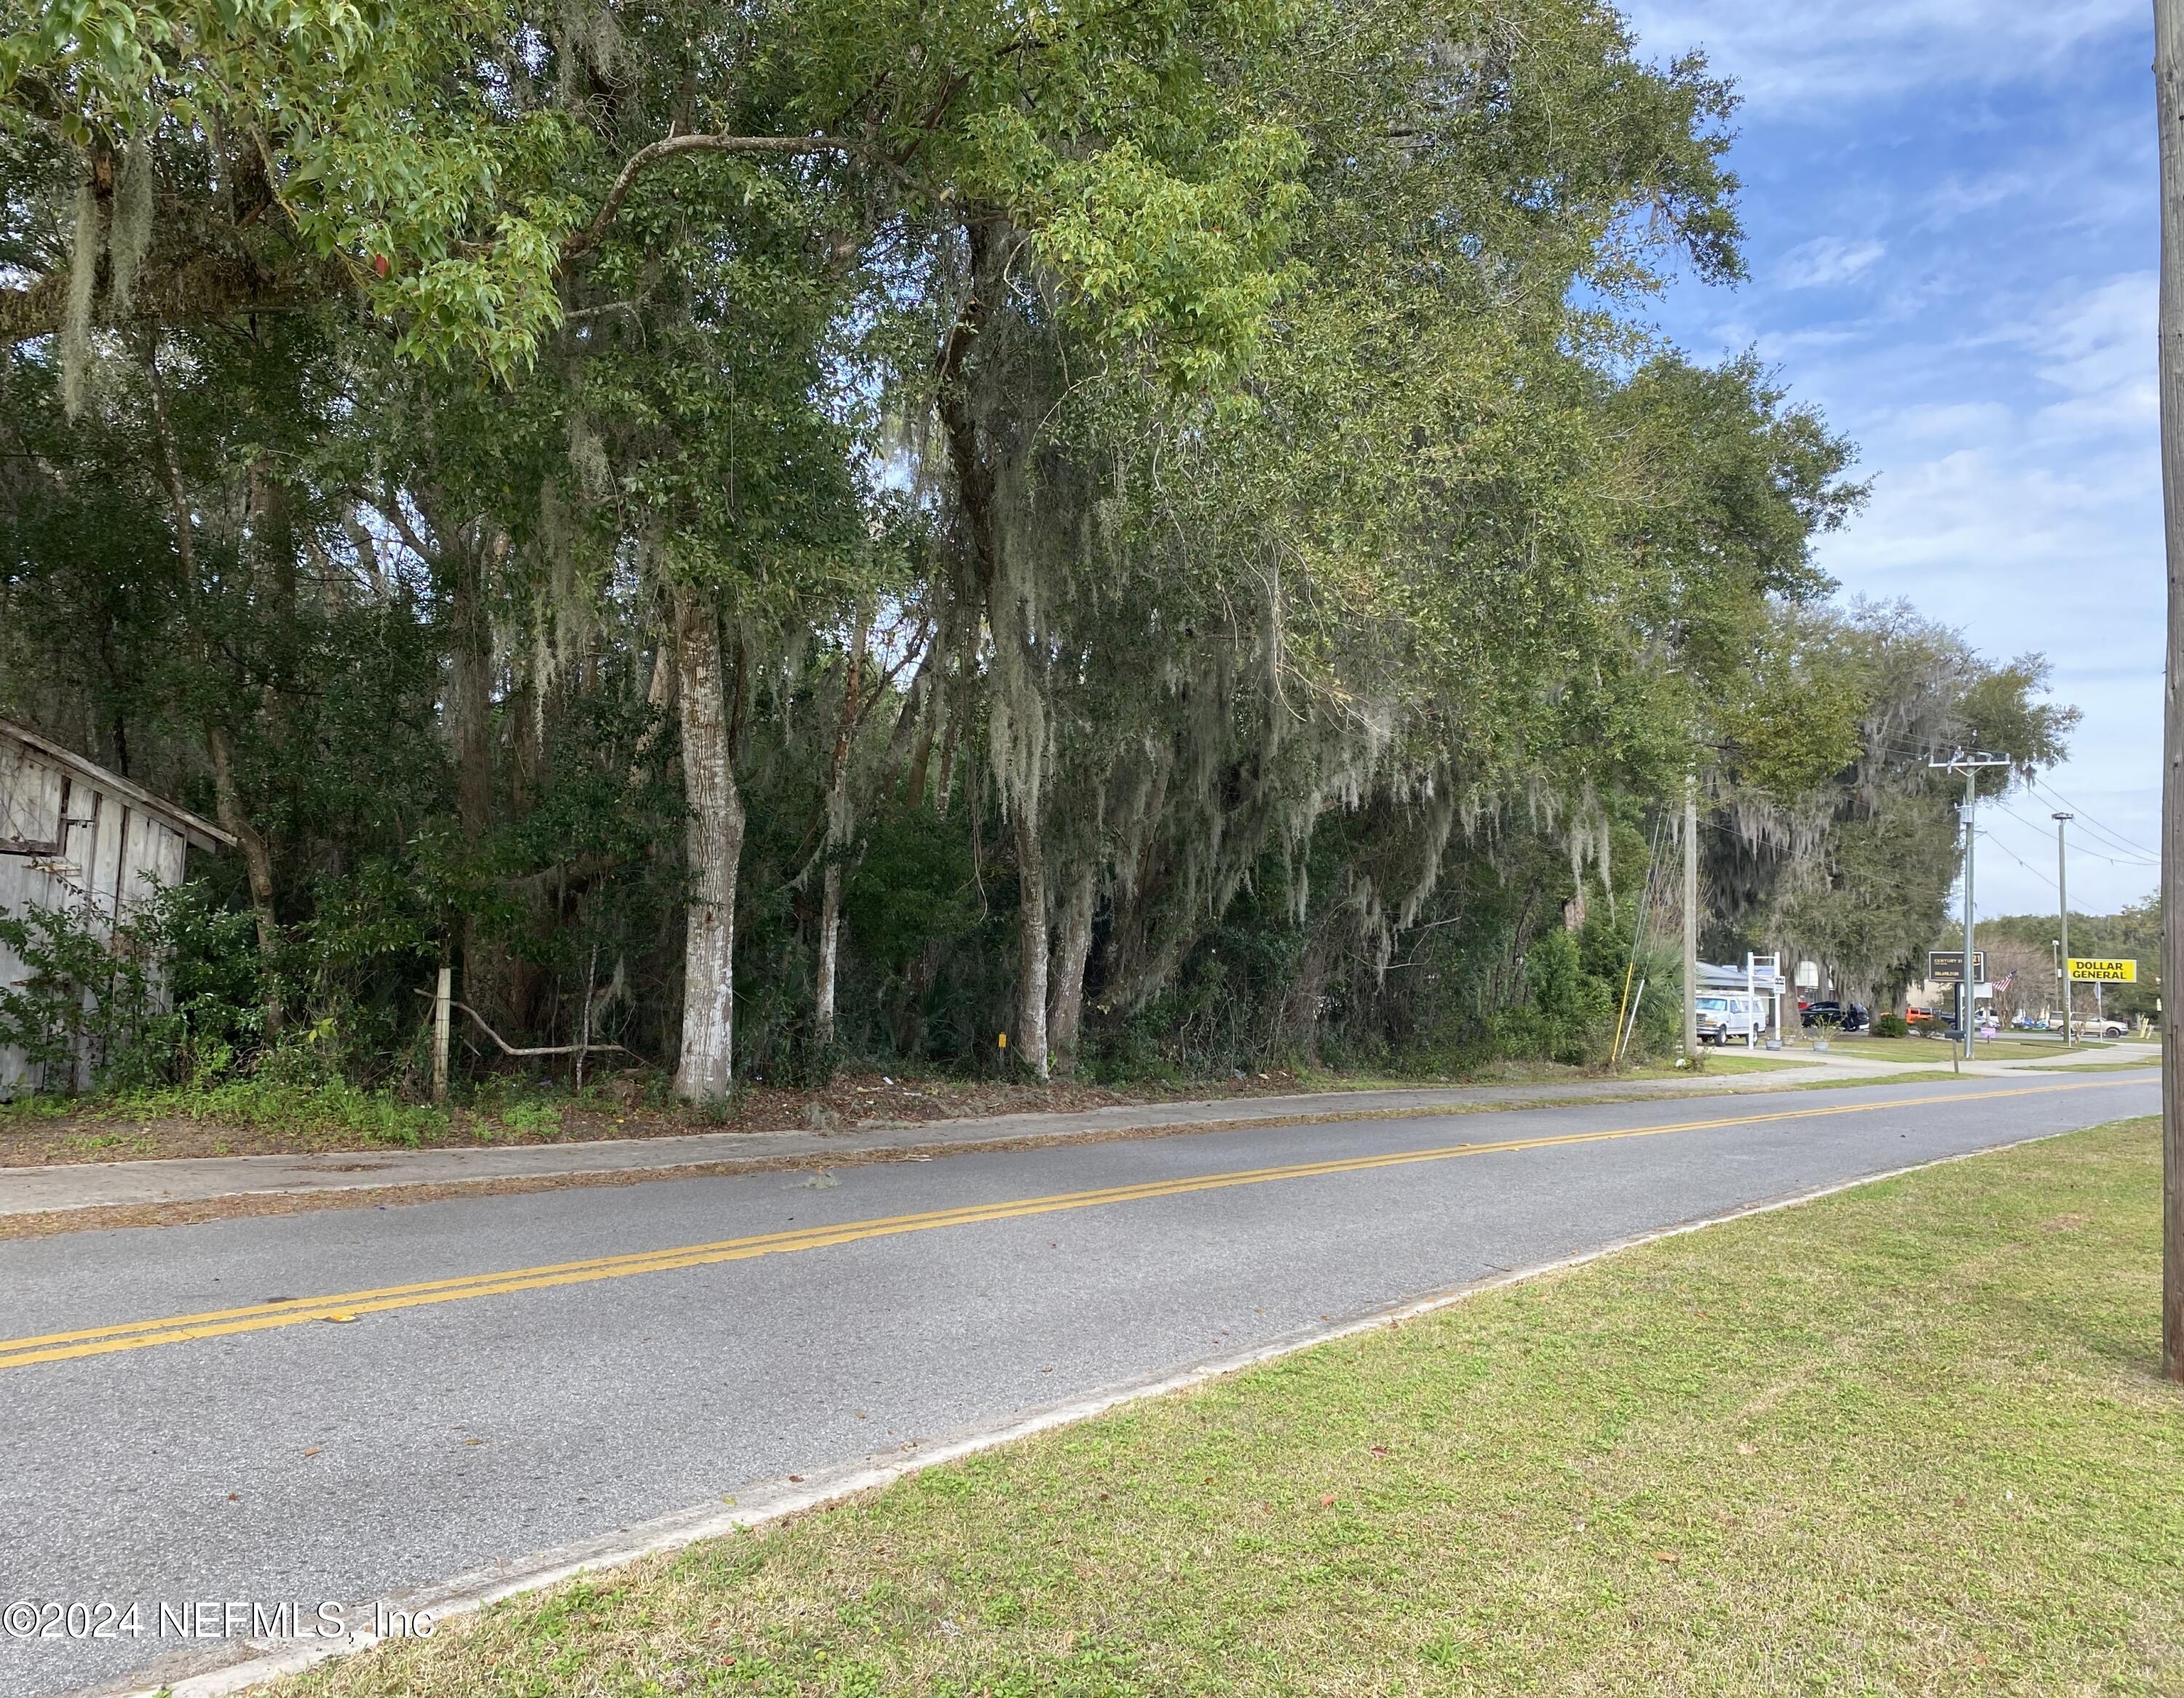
(170, 997)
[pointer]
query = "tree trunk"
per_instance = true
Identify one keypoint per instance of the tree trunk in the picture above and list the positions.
(1018, 682)
(470, 687)
(951, 734)
(921, 758)
(908, 1022)
(257, 866)
(525, 994)
(1068, 1016)
(1030, 1039)
(837, 834)
(1299, 1024)
(487, 979)
(912, 736)
(656, 695)
(715, 835)
(830, 936)
(227, 801)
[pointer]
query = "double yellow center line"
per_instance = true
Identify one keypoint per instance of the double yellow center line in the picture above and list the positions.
(220, 1323)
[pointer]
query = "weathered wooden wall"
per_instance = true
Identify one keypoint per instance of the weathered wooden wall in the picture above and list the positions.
(107, 848)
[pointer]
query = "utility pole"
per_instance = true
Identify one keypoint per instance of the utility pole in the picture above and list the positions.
(2063, 943)
(2168, 107)
(1968, 990)
(1691, 914)
(1971, 877)
(1971, 766)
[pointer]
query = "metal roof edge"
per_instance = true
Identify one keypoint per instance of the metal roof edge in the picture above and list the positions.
(201, 832)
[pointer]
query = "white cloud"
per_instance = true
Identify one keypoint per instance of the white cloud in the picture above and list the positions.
(2099, 349)
(1805, 53)
(2012, 444)
(1828, 262)
(2030, 519)
(1953, 421)
(1952, 208)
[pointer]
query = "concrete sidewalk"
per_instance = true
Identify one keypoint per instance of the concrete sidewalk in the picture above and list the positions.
(91, 1185)
(2109, 1054)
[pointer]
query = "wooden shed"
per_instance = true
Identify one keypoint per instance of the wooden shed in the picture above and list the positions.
(73, 834)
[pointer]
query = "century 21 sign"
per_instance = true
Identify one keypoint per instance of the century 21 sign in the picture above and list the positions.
(2104, 972)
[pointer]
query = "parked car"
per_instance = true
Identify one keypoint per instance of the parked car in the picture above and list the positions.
(1834, 1016)
(1724, 1019)
(1918, 1017)
(2103, 1028)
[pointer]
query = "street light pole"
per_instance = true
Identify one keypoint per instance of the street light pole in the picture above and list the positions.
(2063, 943)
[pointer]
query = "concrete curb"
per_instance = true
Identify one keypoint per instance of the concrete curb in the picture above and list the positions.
(770, 1501)
(67, 1186)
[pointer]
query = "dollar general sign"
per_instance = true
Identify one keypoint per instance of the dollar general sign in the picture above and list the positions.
(2104, 972)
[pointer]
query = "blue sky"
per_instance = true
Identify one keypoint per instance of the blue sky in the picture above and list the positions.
(1953, 241)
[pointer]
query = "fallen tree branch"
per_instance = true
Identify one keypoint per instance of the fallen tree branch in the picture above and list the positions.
(507, 1048)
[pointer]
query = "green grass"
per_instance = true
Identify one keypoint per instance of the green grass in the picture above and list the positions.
(1909, 1438)
(1934, 1050)
(2015, 1048)
(1720, 1061)
(336, 1112)
(1888, 1049)
(2099, 1066)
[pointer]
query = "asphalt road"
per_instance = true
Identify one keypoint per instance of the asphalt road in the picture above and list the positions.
(423, 1432)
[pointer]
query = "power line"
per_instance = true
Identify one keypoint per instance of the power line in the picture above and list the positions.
(2109, 840)
(2109, 832)
(2134, 852)
(2080, 849)
(2131, 860)
(2046, 879)
(2105, 830)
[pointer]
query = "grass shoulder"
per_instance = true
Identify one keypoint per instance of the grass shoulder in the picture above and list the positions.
(1909, 1438)
(2099, 1066)
(1937, 1051)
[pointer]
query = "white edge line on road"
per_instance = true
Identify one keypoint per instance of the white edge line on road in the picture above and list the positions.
(766, 1502)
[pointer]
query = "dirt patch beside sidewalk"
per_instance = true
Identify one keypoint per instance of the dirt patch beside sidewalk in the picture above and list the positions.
(42, 1132)
(116, 1130)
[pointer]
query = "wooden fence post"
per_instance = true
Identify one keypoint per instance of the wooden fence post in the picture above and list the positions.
(442, 1001)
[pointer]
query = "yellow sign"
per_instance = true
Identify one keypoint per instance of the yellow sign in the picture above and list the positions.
(2104, 972)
